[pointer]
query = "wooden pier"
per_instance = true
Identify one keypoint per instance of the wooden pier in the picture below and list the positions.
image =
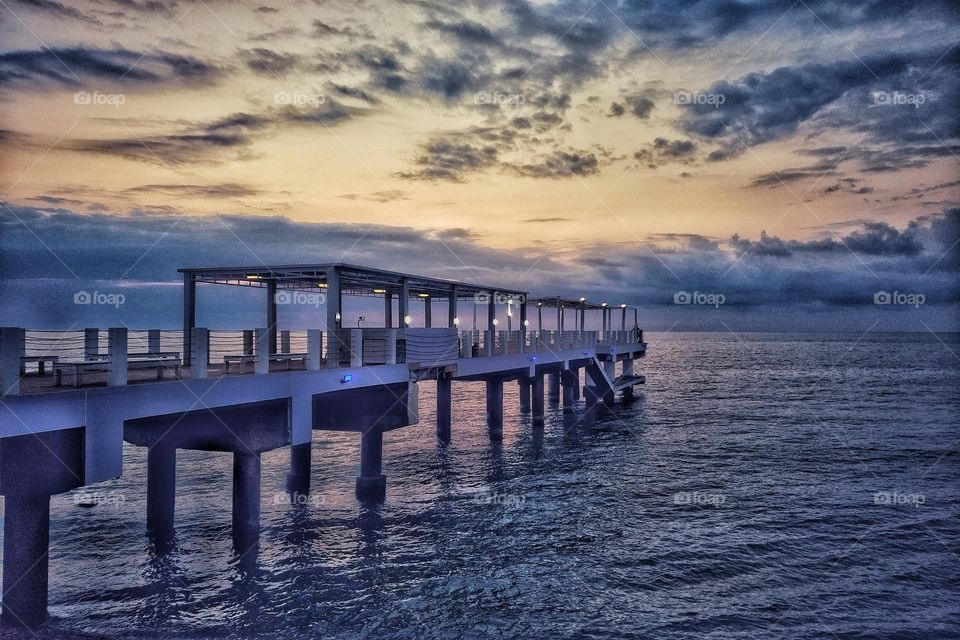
(71, 398)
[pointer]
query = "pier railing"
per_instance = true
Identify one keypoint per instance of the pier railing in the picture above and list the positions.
(118, 356)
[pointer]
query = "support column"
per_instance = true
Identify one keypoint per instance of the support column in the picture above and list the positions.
(492, 311)
(628, 371)
(403, 303)
(248, 342)
(444, 406)
(262, 362)
(553, 390)
(495, 409)
(537, 412)
(428, 312)
(285, 341)
(524, 384)
(576, 386)
(610, 369)
(246, 499)
(189, 316)
(161, 492)
(91, 343)
(26, 539)
(298, 478)
(569, 383)
(117, 369)
(388, 310)
(371, 483)
(334, 318)
(452, 307)
(314, 349)
(153, 341)
(10, 361)
(272, 315)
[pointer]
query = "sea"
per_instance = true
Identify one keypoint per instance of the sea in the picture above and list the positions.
(758, 486)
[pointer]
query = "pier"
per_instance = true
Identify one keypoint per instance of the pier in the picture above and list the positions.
(72, 398)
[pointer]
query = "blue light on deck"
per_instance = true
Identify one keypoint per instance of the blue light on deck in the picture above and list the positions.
(533, 358)
(346, 378)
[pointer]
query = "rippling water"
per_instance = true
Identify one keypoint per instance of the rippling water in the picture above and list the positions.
(796, 486)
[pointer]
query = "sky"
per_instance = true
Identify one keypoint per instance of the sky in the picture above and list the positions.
(796, 161)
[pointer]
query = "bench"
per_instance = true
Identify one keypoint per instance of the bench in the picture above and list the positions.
(41, 363)
(155, 354)
(102, 365)
(250, 357)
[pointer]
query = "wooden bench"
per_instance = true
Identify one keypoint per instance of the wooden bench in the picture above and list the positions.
(41, 363)
(250, 357)
(102, 365)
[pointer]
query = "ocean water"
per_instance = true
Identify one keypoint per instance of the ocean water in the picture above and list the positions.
(761, 485)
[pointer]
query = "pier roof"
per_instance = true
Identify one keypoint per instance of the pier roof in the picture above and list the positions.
(354, 280)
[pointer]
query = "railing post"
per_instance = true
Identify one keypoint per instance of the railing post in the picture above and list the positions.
(91, 343)
(466, 344)
(505, 341)
(117, 369)
(262, 350)
(201, 352)
(153, 341)
(356, 347)
(488, 341)
(391, 356)
(314, 349)
(10, 361)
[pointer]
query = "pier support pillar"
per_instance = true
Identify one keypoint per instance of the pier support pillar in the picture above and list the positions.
(569, 382)
(537, 412)
(371, 483)
(553, 390)
(495, 409)
(246, 499)
(161, 491)
(610, 370)
(576, 387)
(298, 478)
(26, 537)
(628, 371)
(524, 385)
(444, 406)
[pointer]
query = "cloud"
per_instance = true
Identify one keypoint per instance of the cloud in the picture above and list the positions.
(76, 67)
(561, 164)
(268, 62)
(218, 190)
(875, 239)
(663, 151)
(450, 159)
(391, 195)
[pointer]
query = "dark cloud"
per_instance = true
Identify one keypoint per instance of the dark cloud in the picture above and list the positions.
(57, 9)
(875, 238)
(268, 62)
(391, 195)
(466, 32)
(450, 160)
(663, 151)
(76, 66)
(547, 220)
(219, 190)
(561, 164)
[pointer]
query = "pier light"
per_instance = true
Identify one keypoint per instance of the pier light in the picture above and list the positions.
(379, 290)
(347, 378)
(423, 295)
(456, 322)
(583, 299)
(322, 285)
(338, 317)
(407, 320)
(623, 306)
(539, 304)
(526, 323)
(494, 322)
(254, 277)
(509, 312)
